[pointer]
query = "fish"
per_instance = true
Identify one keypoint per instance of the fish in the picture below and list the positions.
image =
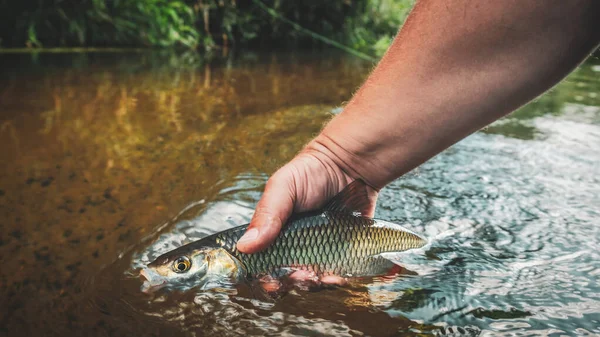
(335, 240)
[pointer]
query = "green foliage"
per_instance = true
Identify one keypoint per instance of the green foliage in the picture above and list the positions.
(365, 25)
(159, 23)
(163, 23)
(374, 29)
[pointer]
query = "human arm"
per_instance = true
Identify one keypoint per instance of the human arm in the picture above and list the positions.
(455, 67)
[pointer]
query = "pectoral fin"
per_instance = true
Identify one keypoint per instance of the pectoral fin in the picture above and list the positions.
(354, 198)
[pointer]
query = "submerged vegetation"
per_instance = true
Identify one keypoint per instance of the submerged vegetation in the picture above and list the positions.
(364, 25)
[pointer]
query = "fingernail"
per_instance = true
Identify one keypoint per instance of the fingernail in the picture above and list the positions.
(250, 235)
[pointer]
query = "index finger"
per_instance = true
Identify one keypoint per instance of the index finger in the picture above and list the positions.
(272, 211)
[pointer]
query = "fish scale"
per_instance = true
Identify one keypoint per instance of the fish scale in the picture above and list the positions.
(326, 243)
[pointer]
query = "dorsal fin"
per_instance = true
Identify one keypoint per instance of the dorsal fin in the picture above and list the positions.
(354, 198)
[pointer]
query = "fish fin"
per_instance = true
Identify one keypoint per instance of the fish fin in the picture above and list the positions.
(394, 270)
(354, 198)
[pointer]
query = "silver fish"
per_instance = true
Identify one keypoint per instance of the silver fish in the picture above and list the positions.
(335, 240)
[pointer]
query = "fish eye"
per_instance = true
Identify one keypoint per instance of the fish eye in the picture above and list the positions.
(181, 264)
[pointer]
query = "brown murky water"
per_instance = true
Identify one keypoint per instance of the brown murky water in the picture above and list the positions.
(109, 159)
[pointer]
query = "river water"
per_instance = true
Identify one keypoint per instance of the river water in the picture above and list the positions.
(111, 159)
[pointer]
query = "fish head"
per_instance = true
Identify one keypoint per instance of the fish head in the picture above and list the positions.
(190, 267)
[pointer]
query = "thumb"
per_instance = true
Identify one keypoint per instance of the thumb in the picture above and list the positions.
(272, 211)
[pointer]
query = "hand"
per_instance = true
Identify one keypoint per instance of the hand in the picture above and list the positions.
(306, 183)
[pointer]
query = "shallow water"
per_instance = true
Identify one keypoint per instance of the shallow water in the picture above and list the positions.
(112, 159)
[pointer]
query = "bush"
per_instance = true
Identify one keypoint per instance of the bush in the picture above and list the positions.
(365, 25)
(163, 23)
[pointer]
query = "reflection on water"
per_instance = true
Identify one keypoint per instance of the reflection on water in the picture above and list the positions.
(112, 159)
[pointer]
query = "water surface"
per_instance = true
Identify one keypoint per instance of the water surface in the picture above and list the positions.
(112, 159)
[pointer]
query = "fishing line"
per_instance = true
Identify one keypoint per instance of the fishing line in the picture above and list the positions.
(317, 36)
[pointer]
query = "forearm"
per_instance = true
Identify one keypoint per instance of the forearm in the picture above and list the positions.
(455, 67)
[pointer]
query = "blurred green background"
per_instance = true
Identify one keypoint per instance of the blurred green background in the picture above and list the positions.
(367, 26)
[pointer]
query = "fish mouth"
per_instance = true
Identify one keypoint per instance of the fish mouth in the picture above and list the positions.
(152, 281)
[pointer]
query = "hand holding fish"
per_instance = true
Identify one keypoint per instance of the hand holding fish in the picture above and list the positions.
(438, 82)
(306, 183)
